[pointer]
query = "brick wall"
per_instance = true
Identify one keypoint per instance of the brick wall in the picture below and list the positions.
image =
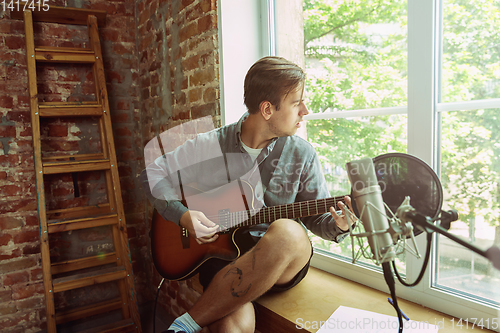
(161, 63)
(22, 307)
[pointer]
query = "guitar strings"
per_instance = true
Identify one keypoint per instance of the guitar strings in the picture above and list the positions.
(296, 209)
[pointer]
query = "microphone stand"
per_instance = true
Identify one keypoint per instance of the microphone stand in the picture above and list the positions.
(389, 279)
(425, 222)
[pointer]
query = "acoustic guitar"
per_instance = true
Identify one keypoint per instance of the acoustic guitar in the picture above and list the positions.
(177, 256)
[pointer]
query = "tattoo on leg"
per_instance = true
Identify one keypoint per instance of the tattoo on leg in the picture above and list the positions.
(237, 283)
(234, 270)
(240, 293)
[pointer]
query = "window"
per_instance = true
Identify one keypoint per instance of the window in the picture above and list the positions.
(419, 77)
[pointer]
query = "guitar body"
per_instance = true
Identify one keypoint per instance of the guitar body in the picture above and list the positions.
(176, 255)
(174, 262)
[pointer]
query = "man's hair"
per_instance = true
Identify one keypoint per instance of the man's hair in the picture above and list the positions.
(271, 79)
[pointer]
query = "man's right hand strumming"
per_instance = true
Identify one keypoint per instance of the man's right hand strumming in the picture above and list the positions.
(199, 226)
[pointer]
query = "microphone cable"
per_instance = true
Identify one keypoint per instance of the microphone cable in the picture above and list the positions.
(422, 270)
(156, 302)
(389, 279)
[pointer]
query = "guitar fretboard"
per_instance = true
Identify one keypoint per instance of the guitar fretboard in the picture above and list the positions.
(270, 214)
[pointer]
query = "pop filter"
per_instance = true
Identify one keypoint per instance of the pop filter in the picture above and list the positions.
(400, 175)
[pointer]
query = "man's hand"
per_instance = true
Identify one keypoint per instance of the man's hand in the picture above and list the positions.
(199, 226)
(341, 220)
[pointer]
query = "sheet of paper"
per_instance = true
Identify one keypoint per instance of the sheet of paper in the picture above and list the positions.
(351, 320)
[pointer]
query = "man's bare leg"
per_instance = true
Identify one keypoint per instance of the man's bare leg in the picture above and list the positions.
(281, 253)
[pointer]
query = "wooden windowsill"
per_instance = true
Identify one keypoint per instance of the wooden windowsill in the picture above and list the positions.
(315, 298)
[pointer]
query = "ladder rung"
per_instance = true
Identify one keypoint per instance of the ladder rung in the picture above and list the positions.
(86, 311)
(69, 110)
(82, 263)
(75, 166)
(122, 326)
(83, 223)
(88, 279)
(77, 212)
(74, 157)
(65, 55)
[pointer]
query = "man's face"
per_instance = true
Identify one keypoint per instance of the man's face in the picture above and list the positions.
(286, 120)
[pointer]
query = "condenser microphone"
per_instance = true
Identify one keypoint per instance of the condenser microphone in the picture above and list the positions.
(368, 197)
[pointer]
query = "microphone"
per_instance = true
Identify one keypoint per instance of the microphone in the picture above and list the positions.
(368, 197)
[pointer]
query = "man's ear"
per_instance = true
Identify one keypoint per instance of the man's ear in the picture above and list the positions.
(266, 109)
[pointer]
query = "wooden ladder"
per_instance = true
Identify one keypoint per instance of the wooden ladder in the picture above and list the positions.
(111, 213)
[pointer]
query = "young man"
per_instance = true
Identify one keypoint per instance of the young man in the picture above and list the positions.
(277, 256)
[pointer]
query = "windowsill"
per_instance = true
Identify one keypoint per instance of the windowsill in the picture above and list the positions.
(315, 298)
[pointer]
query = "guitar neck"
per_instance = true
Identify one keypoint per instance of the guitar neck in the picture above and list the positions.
(287, 211)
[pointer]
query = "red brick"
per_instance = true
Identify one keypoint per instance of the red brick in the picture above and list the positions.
(5, 26)
(10, 190)
(6, 102)
(209, 58)
(210, 95)
(119, 117)
(3, 174)
(127, 156)
(26, 132)
(143, 17)
(61, 192)
(207, 23)
(114, 77)
(5, 239)
(121, 49)
(32, 220)
(187, 32)
(122, 131)
(123, 105)
(36, 274)
(204, 110)
(15, 278)
(58, 130)
(22, 291)
(17, 265)
(180, 99)
(191, 63)
(123, 142)
(27, 236)
(110, 35)
(195, 95)
(32, 248)
(16, 253)
(10, 222)
(15, 42)
(202, 77)
(186, 3)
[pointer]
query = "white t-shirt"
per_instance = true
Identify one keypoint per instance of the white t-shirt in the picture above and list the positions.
(251, 151)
